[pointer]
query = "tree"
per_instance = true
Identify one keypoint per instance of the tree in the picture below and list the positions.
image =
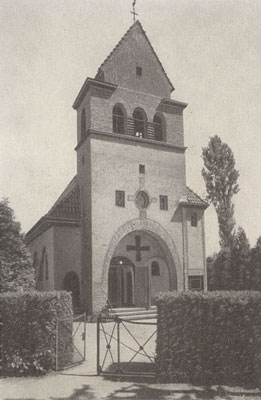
(256, 265)
(241, 267)
(231, 268)
(16, 270)
(219, 271)
(220, 178)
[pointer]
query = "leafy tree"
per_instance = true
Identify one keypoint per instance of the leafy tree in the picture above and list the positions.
(256, 264)
(231, 268)
(16, 271)
(220, 271)
(241, 267)
(220, 178)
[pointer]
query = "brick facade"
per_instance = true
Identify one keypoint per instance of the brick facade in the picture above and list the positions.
(108, 162)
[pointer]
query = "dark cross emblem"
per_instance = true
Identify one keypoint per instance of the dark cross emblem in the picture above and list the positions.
(138, 248)
(133, 12)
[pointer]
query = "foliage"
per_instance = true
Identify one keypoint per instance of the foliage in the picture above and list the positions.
(209, 338)
(29, 330)
(237, 268)
(16, 270)
(255, 255)
(221, 177)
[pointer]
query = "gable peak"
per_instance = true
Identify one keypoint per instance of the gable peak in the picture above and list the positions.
(136, 26)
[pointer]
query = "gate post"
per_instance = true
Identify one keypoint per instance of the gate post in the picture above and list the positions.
(84, 351)
(98, 346)
(1, 362)
(56, 344)
(118, 343)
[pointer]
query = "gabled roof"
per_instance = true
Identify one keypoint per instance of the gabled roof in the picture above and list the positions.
(123, 39)
(192, 199)
(66, 210)
(68, 204)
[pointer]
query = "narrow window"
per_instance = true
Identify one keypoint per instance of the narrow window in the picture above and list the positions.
(196, 283)
(155, 268)
(138, 71)
(118, 119)
(194, 219)
(142, 169)
(41, 267)
(35, 261)
(83, 123)
(120, 198)
(46, 268)
(163, 202)
(139, 123)
(158, 127)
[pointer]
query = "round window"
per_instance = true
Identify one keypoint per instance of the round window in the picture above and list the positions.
(142, 200)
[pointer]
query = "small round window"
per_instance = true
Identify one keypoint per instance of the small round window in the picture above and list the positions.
(142, 200)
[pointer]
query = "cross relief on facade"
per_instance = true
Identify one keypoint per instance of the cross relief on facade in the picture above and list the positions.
(138, 248)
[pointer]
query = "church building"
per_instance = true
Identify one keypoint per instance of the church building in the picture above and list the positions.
(126, 227)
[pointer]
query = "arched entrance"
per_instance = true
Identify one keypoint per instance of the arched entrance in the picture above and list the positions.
(121, 282)
(71, 284)
(141, 266)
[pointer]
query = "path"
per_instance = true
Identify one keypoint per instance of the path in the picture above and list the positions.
(81, 382)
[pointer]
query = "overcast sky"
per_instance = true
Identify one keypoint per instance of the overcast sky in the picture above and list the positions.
(210, 49)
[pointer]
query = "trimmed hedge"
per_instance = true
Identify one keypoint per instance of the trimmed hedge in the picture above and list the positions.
(29, 330)
(209, 338)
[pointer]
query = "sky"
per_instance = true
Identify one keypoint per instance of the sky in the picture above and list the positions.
(210, 49)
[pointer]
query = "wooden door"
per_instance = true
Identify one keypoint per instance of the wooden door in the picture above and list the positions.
(142, 287)
(114, 286)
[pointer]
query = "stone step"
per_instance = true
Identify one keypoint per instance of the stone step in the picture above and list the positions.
(140, 317)
(130, 313)
(127, 309)
(134, 313)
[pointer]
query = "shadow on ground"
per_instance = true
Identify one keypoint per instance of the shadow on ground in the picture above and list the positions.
(139, 392)
(137, 368)
(145, 392)
(85, 393)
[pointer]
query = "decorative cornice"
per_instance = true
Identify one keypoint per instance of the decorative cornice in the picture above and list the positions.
(128, 138)
(173, 103)
(89, 82)
(186, 204)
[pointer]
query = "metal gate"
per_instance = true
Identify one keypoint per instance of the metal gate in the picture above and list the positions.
(70, 341)
(126, 347)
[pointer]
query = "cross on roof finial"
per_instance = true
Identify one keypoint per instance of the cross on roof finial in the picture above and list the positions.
(133, 12)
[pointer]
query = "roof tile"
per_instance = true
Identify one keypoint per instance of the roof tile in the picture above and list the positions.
(68, 205)
(192, 198)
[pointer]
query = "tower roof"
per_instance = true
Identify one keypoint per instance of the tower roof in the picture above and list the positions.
(137, 25)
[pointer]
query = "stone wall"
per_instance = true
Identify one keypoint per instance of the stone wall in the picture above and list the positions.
(67, 242)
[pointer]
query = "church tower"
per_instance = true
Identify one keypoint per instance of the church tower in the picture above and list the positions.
(131, 172)
(139, 228)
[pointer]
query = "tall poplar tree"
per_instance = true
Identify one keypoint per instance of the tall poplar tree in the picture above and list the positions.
(16, 270)
(220, 178)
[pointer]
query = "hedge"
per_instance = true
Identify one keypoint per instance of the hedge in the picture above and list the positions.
(209, 338)
(29, 331)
